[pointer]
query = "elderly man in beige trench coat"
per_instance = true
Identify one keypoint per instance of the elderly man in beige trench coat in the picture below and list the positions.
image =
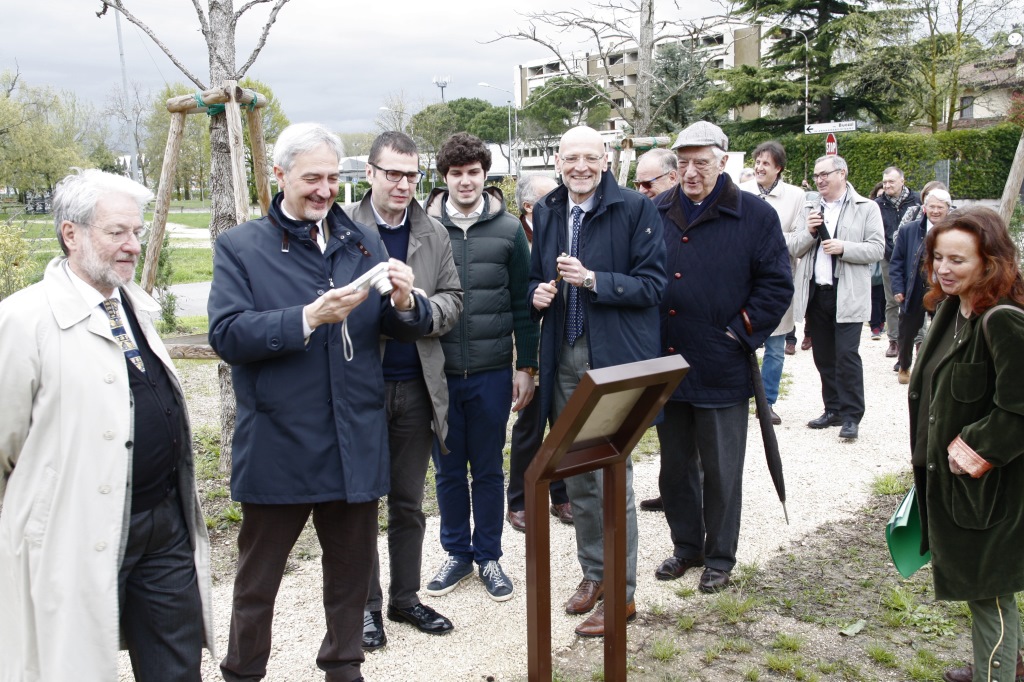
(102, 540)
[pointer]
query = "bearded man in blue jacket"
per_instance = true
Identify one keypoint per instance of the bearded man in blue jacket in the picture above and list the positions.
(311, 433)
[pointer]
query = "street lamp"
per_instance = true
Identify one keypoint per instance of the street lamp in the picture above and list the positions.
(442, 82)
(807, 51)
(510, 154)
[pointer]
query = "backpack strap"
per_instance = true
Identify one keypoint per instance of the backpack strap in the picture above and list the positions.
(988, 314)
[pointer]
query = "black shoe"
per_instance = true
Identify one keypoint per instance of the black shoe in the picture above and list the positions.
(674, 567)
(653, 504)
(776, 419)
(373, 631)
(423, 617)
(827, 419)
(849, 430)
(713, 580)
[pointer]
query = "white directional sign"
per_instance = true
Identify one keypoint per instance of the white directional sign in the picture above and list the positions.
(830, 127)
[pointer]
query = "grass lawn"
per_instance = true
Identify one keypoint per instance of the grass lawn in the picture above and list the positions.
(190, 264)
(201, 219)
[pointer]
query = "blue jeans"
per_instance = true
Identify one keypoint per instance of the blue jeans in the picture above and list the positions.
(478, 410)
(771, 366)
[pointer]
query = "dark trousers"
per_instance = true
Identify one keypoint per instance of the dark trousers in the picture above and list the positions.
(161, 611)
(527, 435)
(791, 336)
(704, 519)
(348, 538)
(911, 321)
(836, 356)
(478, 409)
(877, 320)
(410, 439)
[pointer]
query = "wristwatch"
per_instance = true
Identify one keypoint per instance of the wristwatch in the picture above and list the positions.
(588, 281)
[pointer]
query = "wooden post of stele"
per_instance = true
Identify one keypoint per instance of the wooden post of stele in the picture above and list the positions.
(603, 421)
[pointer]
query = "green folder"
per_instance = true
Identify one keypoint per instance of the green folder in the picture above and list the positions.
(903, 535)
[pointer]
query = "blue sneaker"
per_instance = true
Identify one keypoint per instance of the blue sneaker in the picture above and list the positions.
(499, 587)
(453, 572)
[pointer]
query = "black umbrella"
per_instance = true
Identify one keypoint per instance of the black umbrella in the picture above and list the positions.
(771, 443)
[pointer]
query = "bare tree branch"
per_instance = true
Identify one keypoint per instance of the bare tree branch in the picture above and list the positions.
(119, 6)
(247, 6)
(11, 85)
(266, 30)
(202, 18)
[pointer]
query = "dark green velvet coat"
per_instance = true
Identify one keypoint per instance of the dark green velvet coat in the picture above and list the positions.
(975, 527)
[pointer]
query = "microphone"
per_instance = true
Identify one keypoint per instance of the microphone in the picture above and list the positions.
(812, 203)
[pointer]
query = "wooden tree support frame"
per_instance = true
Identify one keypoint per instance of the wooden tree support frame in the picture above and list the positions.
(233, 98)
(626, 153)
(598, 429)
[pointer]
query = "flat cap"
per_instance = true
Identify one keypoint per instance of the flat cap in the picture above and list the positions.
(702, 134)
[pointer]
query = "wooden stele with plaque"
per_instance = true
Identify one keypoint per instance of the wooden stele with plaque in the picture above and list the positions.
(603, 421)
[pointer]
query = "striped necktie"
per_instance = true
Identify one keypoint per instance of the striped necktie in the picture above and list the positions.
(574, 316)
(121, 336)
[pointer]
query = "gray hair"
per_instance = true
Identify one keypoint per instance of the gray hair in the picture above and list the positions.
(893, 169)
(838, 163)
(76, 196)
(940, 194)
(301, 138)
(666, 158)
(526, 190)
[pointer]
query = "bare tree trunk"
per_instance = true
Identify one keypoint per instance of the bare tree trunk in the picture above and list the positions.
(222, 203)
(642, 108)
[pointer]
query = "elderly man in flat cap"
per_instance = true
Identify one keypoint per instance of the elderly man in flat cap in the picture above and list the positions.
(729, 285)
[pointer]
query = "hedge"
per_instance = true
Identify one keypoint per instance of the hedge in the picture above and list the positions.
(979, 159)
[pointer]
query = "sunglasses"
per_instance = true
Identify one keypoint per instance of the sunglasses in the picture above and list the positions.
(646, 184)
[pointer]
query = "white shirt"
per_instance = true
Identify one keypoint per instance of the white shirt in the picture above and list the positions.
(95, 301)
(823, 261)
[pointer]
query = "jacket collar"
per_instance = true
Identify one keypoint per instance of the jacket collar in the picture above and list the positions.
(342, 228)
(69, 308)
(729, 203)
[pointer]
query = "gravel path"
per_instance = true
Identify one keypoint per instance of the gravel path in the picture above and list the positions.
(826, 480)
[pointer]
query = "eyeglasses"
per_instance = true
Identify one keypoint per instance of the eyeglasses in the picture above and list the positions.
(647, 184)
(396, 175)
(591, 159)
(121, 236)
(818, 177)
(700, 164)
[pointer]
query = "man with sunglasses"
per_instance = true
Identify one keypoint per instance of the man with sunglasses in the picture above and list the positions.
(844, 237)
(729, 285)
(416, 391)
(656, 172)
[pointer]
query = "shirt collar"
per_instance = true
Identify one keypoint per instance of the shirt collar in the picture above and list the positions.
(475, 213)
(384, 223)
(587, 206)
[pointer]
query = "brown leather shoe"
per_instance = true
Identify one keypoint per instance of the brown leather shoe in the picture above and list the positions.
(806, 343)
(893, 350)
(517, 519)
(674, 567)
(594, 626)
(903, 377)
(966, 673)
(653, 504)
(587, 595)
(791, 348)
(562, 512)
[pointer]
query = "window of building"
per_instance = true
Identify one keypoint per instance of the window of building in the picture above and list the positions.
(966, 107)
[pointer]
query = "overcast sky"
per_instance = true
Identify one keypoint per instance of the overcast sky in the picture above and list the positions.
(326, 60)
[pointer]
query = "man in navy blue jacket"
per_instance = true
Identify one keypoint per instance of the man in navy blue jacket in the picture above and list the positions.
(605, 242)
(729, 285)
(311, 434)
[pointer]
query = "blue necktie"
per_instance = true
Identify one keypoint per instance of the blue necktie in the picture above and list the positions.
(574, 316)
(121, 336)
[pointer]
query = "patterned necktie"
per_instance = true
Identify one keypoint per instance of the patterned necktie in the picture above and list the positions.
(574, 316)
(121, 336)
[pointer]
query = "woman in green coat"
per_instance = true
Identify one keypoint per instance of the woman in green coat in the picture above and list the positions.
(967, 433)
